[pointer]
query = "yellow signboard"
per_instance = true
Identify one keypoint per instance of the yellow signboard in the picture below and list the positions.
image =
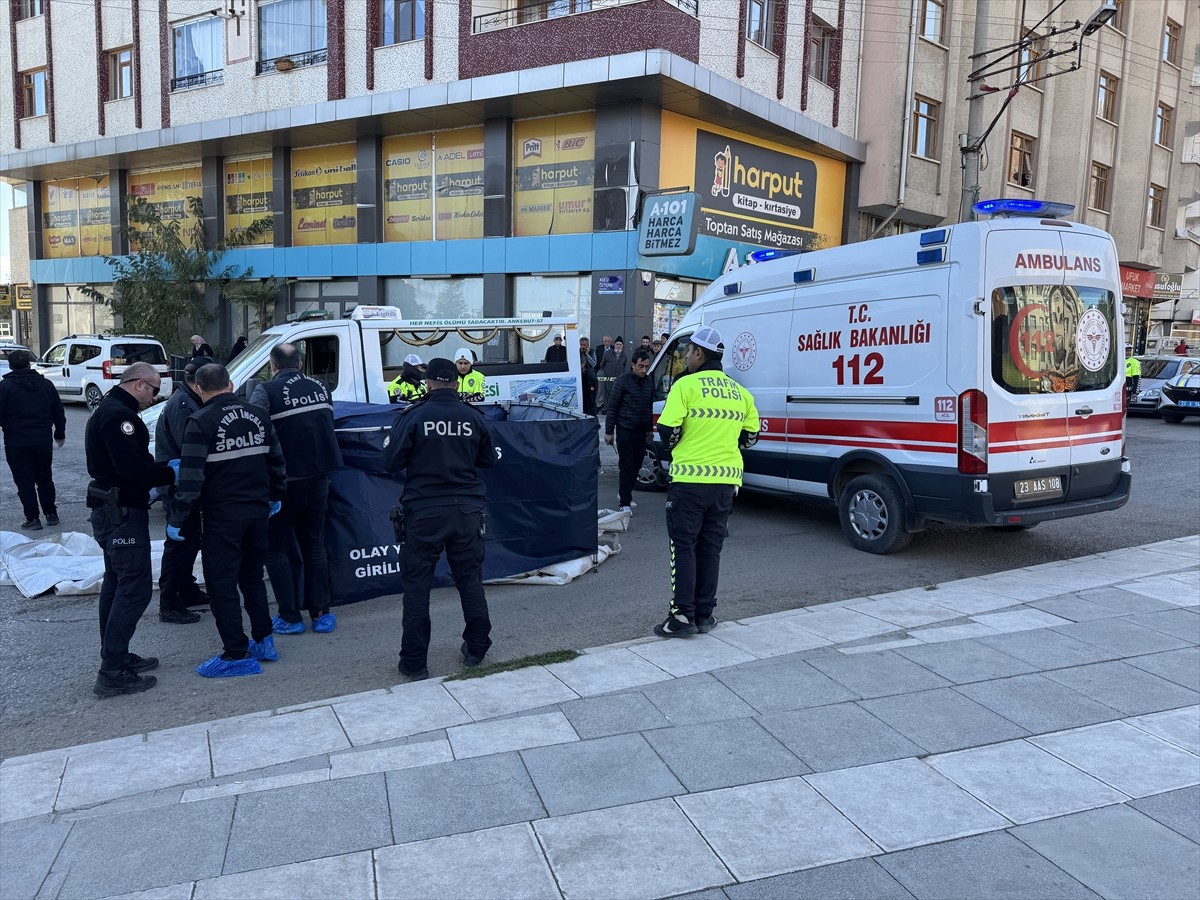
(555, 158)
(75, 218)
(169, 191)
(24, 296)
(248, 194)
(458, 172)
(324, 194)
(433, 186)
(408, 187)
(754, 191)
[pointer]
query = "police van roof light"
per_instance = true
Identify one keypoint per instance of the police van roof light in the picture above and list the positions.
(1017, 207)
(764, 255)
(734, 287)
(930, 257)
(804, 276)
(940, 236)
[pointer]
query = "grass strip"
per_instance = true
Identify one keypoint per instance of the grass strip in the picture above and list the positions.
(538, 659)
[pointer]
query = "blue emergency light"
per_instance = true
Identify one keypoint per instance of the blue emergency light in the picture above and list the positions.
(1047, 209)
(765, 255)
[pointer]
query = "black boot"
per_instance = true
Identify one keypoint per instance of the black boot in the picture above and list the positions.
(110, 684)
(173, 616)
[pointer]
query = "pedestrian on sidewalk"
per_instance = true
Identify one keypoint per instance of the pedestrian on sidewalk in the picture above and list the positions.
(233, 468)
(201, 349)
(441, 445)
(707, 421)
(301, 413)
(177, 588)
(31, 414)
(117, 446)
(629, 419)
(587, 377)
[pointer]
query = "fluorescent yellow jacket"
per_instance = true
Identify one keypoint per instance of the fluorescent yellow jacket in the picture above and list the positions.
(713, 411)
(406, 390)
(1133, 366)
(471, 385)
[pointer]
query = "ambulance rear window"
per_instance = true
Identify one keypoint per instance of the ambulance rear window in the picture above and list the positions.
(1053, 339)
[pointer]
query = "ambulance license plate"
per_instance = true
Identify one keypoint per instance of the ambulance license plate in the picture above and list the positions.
(1028, 488)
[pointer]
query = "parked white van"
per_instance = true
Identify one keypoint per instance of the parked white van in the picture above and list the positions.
(967, 374)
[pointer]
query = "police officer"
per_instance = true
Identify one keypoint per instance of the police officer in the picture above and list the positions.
(177, 588)
(1133, 373)
(441, 444)
(117, 446)
(471, 384)
(706, 422)
(233, 467)
(409, 385)
(302, 415)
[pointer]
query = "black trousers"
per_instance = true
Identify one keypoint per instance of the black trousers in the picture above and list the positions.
(233, 560)
(128, 581)
(31, 471)
(696, 524)
(459, 531)
(300, 521)
(631, 452)
(176, 583)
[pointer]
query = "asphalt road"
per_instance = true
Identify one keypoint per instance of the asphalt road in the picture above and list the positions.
(780, 555)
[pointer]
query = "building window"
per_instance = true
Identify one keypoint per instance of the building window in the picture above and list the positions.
(199, 53)
(925, 127)
(31, 8)
(402, 20)
(294, 29)
(820, 45)
(1118, 21)
(1154, 205)
(1030, 57)
(1098, 198)
(1164, 117)
(1106, 101)
(1170, 45)
(933, 20)
(760, 25)
(1020, 160)
(35, 92)
(120, 73)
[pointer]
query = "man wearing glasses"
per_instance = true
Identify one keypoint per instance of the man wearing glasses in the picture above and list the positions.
(117, 445)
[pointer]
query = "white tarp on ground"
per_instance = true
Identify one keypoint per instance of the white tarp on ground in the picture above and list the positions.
(609, 523)
(66, 563)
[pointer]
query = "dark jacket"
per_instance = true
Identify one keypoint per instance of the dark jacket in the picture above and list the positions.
(613, 364)
(302, 415)
(168, 433)
(630, 404)
(441, 443)
(587, 377)
(556, 353)
(232, 463)
(238, 346)
(202, 350)
(29, 408)
(117, 445)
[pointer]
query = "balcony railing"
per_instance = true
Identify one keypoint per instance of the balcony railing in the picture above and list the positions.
(291, 61)
(556, 9)
(216, 76)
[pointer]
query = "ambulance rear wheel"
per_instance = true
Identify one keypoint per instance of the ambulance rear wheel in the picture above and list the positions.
(871, 509)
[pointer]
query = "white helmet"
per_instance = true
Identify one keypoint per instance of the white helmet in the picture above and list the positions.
(463, 353)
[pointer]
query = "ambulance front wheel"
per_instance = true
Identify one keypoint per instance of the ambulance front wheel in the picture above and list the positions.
(871, 509)
(650, 474)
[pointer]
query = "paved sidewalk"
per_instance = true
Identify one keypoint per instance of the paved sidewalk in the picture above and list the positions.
(1034, 733)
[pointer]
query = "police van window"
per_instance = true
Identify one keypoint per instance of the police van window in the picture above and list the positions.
(1053, 339)
(127, 354)
(670, 366)
(81, 353)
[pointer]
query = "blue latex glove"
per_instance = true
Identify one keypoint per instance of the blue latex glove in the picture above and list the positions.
(276, 506)
(173, 533)
(174, 464)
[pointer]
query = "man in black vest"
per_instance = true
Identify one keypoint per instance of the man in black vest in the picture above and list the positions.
(302, 415)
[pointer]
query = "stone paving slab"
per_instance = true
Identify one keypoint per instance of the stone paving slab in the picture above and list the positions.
(386, 759)
(1075, 608)
(962, 662)
(408, 710)
(1020, 620)
(158, 762)
(27, 851)
(838, 625)
(784, 685)
(838, 737)
(696, 698)
(517, 733)
(1047, 649)
(1180, 727)
(689, 656)
(345, 877)
(878, 674)
(1181, 623)
(256, 743)
(252, 785)
(1162, 589)
(598, 673)
(723, 754)
(30, 789)
(509, 692)
(940, 633)
(616, 714)
(1125, 688)
(1178, 810)
(1133, 762)
(1126, 600)
(855, 879)
(767, 639)
(1179, 666)
(943, 719)
(170, 892)
(1038, 703)
(903, 610)
(1121, 637)
(968, 597)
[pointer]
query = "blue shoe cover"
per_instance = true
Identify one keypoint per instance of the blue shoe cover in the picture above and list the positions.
(228, 668)
(324, 623)
(283, 626)
(264, 650)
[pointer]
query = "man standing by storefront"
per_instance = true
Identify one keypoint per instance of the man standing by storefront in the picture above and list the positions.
(629, 418)
(707, 421)
(30, 413)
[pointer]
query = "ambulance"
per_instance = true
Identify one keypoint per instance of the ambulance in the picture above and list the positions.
(967, 374)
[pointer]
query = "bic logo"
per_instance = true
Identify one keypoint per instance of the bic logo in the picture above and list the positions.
(571, 143)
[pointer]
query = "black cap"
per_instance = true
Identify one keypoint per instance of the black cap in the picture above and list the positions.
(441, 369)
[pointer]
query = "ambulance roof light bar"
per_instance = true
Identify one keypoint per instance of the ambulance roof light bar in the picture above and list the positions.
(1013, 207)
(759, 256)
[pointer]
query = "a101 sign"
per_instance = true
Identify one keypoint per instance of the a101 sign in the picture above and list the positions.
(668, 226)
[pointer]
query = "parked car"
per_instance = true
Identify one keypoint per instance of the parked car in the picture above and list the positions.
(1180, 397)
(7, 347)
(1156, 371)
(84, 367)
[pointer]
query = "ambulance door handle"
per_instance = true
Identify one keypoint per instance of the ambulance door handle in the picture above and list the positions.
(1084, 411)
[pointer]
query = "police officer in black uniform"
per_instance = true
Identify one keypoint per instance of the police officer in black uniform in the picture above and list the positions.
(117, 446)
(302, 415)
(177, 588)
(442, 443)
(233, 467)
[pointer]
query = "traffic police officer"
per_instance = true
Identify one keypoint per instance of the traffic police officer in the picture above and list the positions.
(1133, 373)
(471, 384)
(177, 588)
(409, 385)
(706, 422)
(233, 467)
(441, 444)
(302, 415)
(117, 445)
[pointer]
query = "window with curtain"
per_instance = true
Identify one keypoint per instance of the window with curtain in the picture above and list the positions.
(293, 28)
(401, 21)
(120, 77)
(760, 27)
(199, 52)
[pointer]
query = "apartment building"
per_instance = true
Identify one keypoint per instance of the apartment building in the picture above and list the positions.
(1118, 137)
(450, 158)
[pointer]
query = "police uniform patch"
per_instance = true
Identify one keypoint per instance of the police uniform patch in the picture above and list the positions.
(127, 427)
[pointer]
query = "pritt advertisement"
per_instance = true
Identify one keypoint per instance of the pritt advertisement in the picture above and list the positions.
(324, 194)
(555, 162)
(248, 194)
(75, 218)
(753, 191)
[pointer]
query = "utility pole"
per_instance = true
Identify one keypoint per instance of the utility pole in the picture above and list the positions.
(973, 145)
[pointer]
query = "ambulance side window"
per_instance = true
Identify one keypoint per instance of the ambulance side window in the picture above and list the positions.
(670, 366)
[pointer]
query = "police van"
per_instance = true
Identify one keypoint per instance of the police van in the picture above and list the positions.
(967, 374)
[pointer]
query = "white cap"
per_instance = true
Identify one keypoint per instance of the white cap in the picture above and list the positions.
(413, 360)
(709, 338)
(463, 353)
